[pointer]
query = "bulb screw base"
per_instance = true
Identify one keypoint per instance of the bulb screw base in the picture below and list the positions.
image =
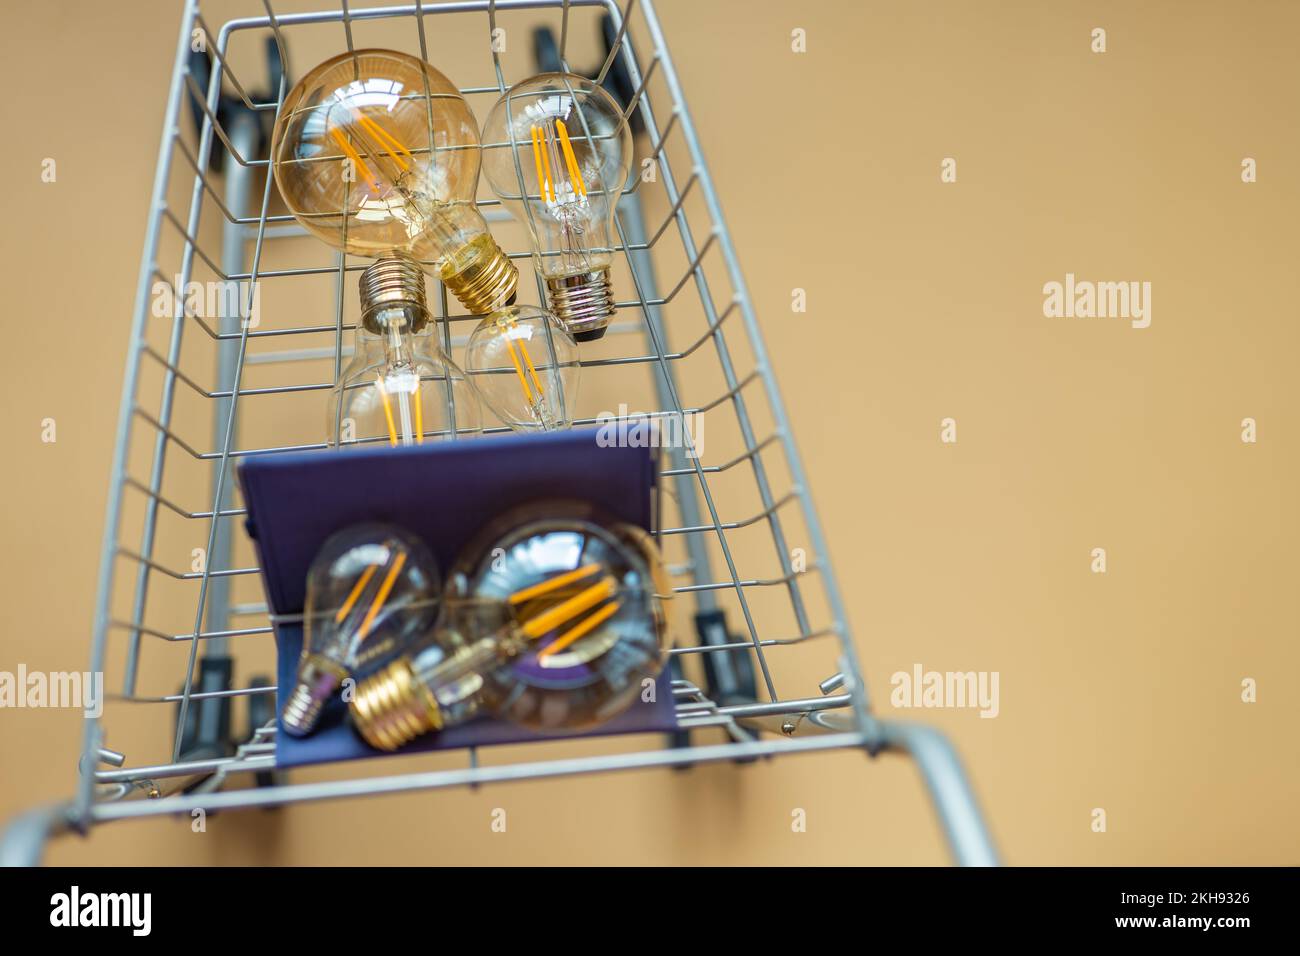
(583, 302)
(393, 707)
(395, 282)
(318, 681)
(481, 276)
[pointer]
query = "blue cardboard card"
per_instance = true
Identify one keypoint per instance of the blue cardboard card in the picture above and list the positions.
(445, 492)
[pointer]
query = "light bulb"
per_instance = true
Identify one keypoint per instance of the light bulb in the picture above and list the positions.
(400, 386)
(376, 152)
(371, 590)
(553, 624)
(557, 151)
(526, 367)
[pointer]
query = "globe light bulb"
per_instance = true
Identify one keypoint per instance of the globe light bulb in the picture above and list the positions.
(556, 623)
(400, 386)
(526, 367)
(371, 590)
(375, 152)
(557, 151)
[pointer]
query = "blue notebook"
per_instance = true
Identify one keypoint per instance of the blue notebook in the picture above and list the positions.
(445, 492)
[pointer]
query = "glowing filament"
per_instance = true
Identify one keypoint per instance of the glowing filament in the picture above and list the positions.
(581, 630)
(543, 145)
(356, 593)
(568, 610)
(554, 584)
(377, 142)
(382, 595)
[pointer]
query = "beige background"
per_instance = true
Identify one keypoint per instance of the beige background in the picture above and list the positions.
(1119, 691)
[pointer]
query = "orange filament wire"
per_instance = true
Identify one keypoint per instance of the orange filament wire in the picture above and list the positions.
(563, 613)
(543, 137)
(581, 630)
(543, 182)
(388, 411)
(386, 139)
(419, 412)
(519, 369)
(508, 325)
(382, 596)
(353, 155)
(531, 370)
(574, 173)
(356, 593)
(553, 584)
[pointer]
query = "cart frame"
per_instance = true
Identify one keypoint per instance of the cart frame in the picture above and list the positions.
(839, 717)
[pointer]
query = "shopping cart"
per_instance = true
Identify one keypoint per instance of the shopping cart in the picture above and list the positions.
(743, 539)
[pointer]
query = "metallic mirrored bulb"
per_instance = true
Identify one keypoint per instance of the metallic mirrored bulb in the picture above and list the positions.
(557, 151)
(376, 152)
(371, 590)
(526, 367)
(554, 621)
(400, 387)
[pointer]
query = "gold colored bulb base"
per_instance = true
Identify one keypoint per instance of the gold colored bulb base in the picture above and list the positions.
(583, 302)
(393, 707)
(481, 276)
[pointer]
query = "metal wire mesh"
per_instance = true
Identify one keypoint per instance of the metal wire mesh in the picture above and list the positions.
(205, 388)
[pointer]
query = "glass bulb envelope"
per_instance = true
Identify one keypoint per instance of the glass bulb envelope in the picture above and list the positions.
(557, 151)
(377, 153)
(555, 619)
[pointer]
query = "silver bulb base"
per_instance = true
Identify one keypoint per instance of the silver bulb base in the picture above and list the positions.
(318, 681)
(392, 283)
(583, 302)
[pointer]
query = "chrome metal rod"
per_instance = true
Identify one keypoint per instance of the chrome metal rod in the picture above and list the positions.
(23, 841)
(950, 789)
(688, 503)
(506, 773)
(245, 132)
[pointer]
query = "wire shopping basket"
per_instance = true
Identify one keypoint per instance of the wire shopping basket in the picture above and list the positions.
(774, 669)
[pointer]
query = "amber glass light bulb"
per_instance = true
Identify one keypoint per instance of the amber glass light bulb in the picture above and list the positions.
(375, 152)
(555, 619)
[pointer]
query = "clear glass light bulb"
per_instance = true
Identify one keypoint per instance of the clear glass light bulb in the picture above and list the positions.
(375, 152)
(557, 151)
(371, 590)
(400, 386)
(554, 620)
(526, 366)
